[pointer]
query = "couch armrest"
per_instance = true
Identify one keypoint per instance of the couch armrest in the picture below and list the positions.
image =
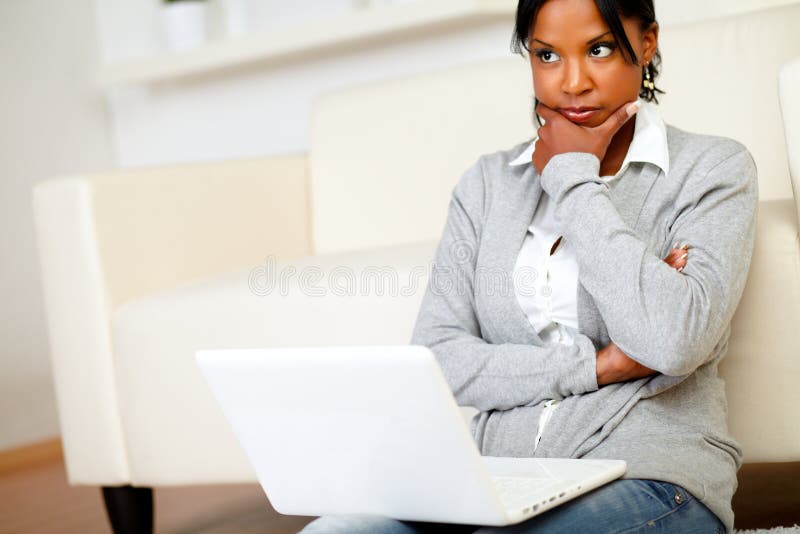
(107, 238)
(789, 88)
(761, 369)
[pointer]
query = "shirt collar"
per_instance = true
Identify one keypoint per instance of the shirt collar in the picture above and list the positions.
(649, 144)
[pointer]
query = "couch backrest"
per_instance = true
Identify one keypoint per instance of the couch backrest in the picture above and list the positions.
(385, 156)
(790, 107)
(722, 79)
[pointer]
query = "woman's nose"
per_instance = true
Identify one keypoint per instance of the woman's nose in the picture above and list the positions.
(576, 81)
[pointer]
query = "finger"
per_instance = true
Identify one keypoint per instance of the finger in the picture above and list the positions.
(678, 255)
(618, 119)
(675, 263)
(679, 264)
(676, 258)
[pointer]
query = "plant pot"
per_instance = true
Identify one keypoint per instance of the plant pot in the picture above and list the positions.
(235, 16)
(184, 24)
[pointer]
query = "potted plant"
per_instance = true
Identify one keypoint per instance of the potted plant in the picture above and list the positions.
(183, 23)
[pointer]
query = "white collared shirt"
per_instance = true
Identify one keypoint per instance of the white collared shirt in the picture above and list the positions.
(546, 286)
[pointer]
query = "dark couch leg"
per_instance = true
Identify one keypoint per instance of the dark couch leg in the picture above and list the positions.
(129, 509)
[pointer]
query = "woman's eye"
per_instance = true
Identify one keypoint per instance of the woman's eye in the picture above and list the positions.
(601, 50)
(547, 56)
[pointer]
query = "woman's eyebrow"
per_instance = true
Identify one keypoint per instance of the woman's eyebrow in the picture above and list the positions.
(546, 44)
(590, 41)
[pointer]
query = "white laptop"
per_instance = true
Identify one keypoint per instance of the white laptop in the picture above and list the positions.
(376, 430)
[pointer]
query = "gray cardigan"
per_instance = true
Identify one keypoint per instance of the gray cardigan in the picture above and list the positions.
(670, 426)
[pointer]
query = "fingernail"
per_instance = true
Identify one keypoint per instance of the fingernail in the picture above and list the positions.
(682, 257)
(681, 269)
(633, 107)
(675, 245)
(685, 246)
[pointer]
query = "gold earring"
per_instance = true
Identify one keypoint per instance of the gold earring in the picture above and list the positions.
(647, 83)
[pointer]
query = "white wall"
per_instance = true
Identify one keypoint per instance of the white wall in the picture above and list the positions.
(261, 111)
(53, 121)
(267, 111)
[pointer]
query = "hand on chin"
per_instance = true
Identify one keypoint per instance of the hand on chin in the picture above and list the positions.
(560, 135)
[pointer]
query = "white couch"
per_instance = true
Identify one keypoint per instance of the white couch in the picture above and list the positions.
(142, 267)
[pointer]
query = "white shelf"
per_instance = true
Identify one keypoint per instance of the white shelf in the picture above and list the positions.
(315, 39)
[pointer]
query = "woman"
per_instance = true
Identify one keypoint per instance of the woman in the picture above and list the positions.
(611, 352)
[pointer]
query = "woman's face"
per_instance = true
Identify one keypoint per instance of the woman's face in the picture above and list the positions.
(578, 69)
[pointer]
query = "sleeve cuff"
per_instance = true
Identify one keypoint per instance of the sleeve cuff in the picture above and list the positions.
(564, 171)
(586, 377)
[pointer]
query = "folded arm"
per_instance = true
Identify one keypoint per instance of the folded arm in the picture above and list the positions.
(665, 320)
(481, 374)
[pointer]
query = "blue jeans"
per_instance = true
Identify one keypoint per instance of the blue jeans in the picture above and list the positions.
(623, 506)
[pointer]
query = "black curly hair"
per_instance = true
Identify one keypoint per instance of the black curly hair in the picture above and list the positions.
(611, 11)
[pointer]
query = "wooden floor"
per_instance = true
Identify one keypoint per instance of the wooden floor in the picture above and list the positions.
(36, 499)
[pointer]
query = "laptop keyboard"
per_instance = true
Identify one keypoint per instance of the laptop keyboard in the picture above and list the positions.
(522, 492)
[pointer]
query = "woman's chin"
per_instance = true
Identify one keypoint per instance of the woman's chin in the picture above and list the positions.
(593, 123)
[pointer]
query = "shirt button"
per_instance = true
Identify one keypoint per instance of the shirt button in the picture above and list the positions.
(678, 498)
(547, 291)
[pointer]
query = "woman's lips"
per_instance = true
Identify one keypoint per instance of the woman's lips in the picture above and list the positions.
(579, 115)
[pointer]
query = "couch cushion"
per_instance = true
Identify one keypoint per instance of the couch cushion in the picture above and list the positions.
(174, 430)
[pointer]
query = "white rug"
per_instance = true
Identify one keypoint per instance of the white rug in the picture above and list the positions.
(777, 530)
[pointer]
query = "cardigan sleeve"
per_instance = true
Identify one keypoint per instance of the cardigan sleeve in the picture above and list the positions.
(480, 374)
(665, 320)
